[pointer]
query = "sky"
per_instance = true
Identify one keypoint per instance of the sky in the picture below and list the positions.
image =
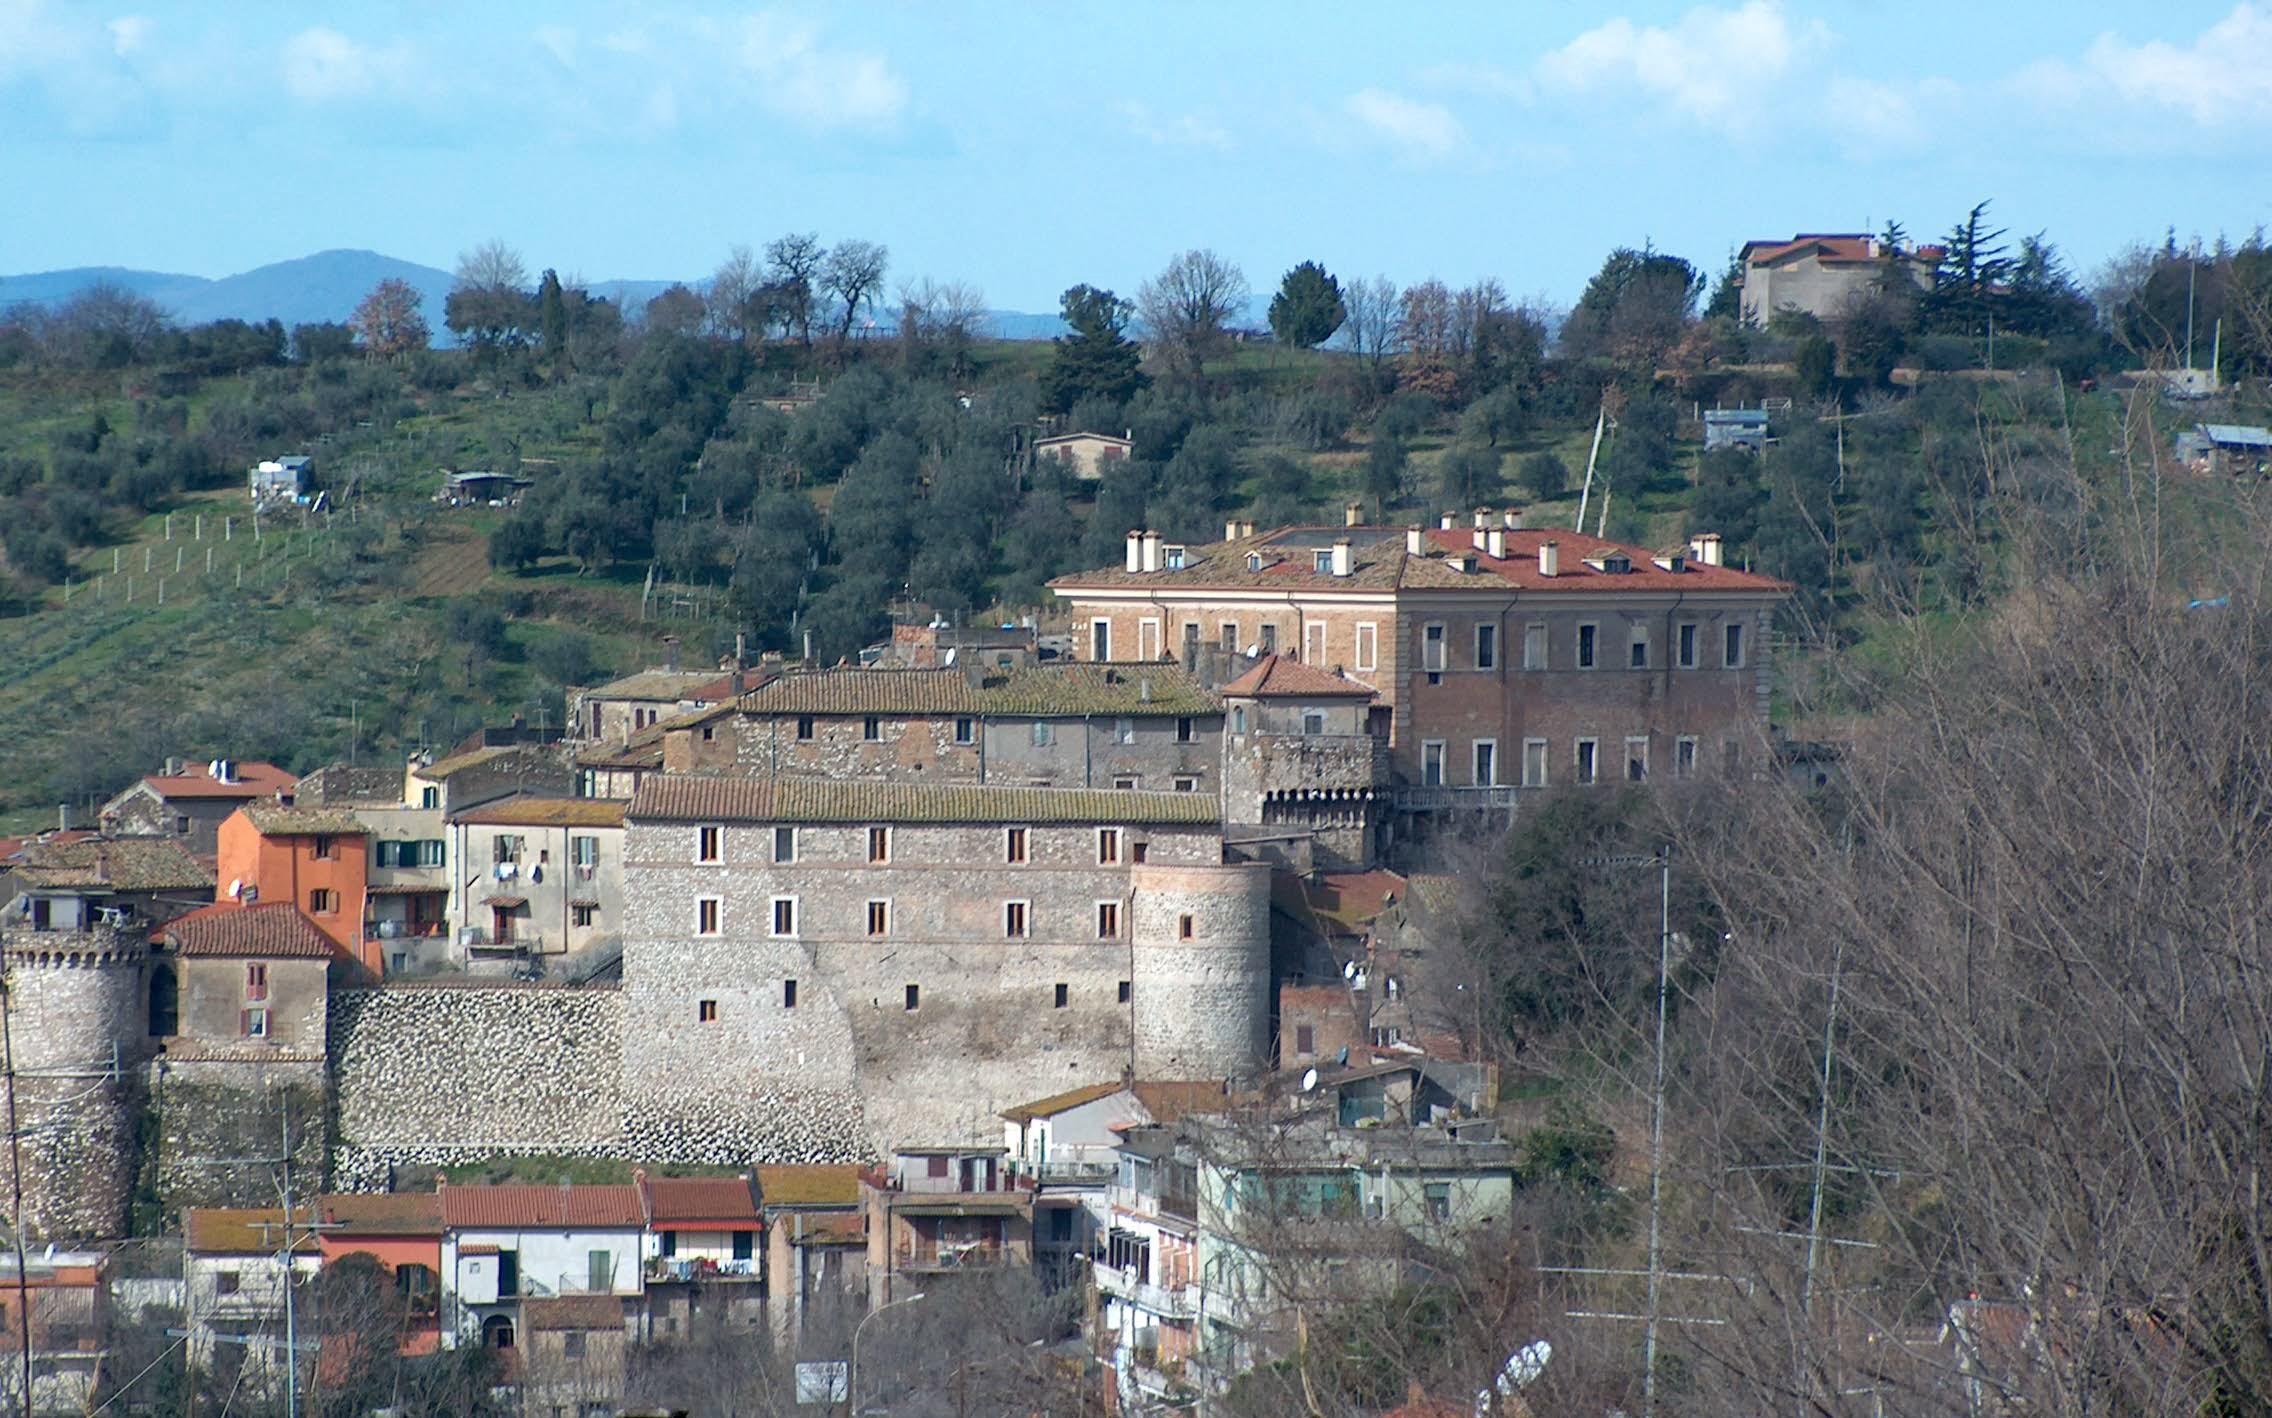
(1026, 147)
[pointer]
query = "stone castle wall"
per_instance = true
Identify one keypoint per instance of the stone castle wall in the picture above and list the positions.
(75, 1018)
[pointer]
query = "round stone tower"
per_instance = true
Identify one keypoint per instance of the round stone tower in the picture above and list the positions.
(75, 1020)
(1202, 970)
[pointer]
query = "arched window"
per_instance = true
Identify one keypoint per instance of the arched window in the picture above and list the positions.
(165, 1002)
(497, 1332)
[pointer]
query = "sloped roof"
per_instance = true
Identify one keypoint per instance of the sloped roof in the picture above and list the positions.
(1381, 563)
(241, 1230)
(682, 1199)
(572, 1312)
(1168, 1100)
(273, 930)
(532, 810)
(112, 863)
(675, 798)
(1064, 1102)
(536, 1205)
(1284, 677)
(277, 820)
(442, 768)
(822, 1184)
(381, 1213)
(252, 780)
(1153, 688)
(942, 691)
(1835, 248)
(338, 784)
(2237, 435)
(662, 685)
(1081, 435)
(1353, 897)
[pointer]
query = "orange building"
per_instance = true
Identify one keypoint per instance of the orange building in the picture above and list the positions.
(403, 1232)
(312, 857)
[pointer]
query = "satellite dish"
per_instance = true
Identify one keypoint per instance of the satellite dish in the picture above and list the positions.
(949, 658)
(1349, 970)
(236, 888)
(1253, 650)
(1342, 1059)
(1309, 1080)
(213, 768)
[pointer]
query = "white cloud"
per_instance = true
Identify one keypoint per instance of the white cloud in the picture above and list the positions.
(811, 83)
(1421, 130)
(128, 33)
(1481, 80)
(1710, 64)
(322, 65)
(2223, 78)
(1188, 130)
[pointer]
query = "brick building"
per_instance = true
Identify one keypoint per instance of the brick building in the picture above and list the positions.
(824, 969)
(1504, 656)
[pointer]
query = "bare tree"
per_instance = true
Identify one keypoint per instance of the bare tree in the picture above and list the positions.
(387, 321)
(732, 297)
(941, 319)
(492, 266)
(1372, 307)
(793, 267)
(1187, 308)
(853, 276)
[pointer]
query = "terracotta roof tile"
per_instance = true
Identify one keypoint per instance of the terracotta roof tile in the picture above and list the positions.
(1148, 689)
(530, 810)
(946, 691)
(539, 1206)
(826, 1184)
(1283, 677)
(242, 1230)
(682, 1199)
(277, 820)
(252, 780)
(676, 798)
(661, 685)
(274, 930)
(1167, 1101)
(116, 863)
(1057, 1103)
(572, 1312)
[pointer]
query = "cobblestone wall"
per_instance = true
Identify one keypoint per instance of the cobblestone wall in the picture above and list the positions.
(75, 1019)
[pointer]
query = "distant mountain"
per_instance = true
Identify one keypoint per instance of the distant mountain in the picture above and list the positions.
(327, 285)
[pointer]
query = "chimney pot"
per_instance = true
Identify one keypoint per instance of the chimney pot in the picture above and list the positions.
(1481, 536)
(1151, 551)
(1482, 518)
(1246, 528)
(1231, 530)
(1135, 551)
(1353, 514)
(1415, 541)
(1707, 548)
(1495, 542)
(1550, 558)
(1512, 518)
(1344, 559)
(1445, 523)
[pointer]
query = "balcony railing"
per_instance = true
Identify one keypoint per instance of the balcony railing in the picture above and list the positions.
(947, 1256)
(1175, 1302)
(1445, 798)
(1075, 1173)
(700, 1268)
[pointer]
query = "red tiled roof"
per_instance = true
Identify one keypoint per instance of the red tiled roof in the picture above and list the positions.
(1353, 896)
(273, 929)
(727, 1200)
(538, 1206)
(1520, 565)
(1166, 1101)
(1283, 677)
(9, 846)
(253, 780)
(558, 1312)
(381, 1213)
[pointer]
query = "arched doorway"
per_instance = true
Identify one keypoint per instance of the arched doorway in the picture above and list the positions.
(165, 1001)
(497, 1332)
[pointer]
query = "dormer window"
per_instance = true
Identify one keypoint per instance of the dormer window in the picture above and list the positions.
(1322, 562)
(1172, 558)
(1254, 561)
(1616, 563)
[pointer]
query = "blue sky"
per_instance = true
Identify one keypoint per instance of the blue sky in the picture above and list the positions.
(1026, 147)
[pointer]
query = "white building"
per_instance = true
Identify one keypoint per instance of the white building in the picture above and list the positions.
(504, 1244)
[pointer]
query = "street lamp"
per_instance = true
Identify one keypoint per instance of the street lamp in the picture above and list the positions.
(852, 1376)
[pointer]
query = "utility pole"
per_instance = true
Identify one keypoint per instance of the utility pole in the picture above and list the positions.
(16, 1186)
(282, 1162)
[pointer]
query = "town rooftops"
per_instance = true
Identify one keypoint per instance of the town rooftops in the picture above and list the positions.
(666, 686)
(277, 820)
(1059, 439)
(675, 798)
(1059, 689)
(531, 810)
(338, 784)
(815, 1184)
(1064, 1102)
(110, 864)
(265, 930)
(572, 1312)
(1165, 1099)
(1291, 559)
(1283, 677)
(381, 1213)
(895, 692)
(241, 1230)
(684, 1201)
(245, 780)
(504, 1208)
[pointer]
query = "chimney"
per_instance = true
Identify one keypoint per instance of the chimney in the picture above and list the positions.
(1352, 514)
(1415, 541)
(1481, 537)
(1444, 524)
(1151, 551)
(173, 768)
(1135, 551)
(1550, 558)
(1707, 547)
(670, 653)
(1231, 530)
(1495, 542)
(741, 661)
(1482, 518)
(1246, 529)
(1512, 519)
(63, 817)
(1343, 561)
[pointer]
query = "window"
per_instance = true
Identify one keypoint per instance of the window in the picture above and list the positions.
(1108, 920)
(1313, 722)
(572, 1344)
(1639, 654)
(709, 844)
(707, 913)
(1534, 646)
(706, 1011)
(1313, 642)
(872, 729)
(1305, 1039)
(1588, 636)
(1486, 763)
(1014, 846)
(1043, 736)
(1637, 760)
(254, 1022)
(1063, 995)
(1187, 785)
(784, 915)
(1172, 558)
(1487, 647)
(1014, 919)
(505, 847)
(326, 847)
(1186, 731)
(584, 852)
(784, 845)
(1586, 753)
(788, 994)
(1184, 926)
(1137, 851)
(226, 1282)
(256, 982)
(1100, 640)
(323, 901)
(1432, 763)
(1534, 763)
(879, 918)
(1684, 757)
(709, 732)
(804, 727)
(1126, 990)
(1147, 639)
(1731, 648)
(1321, 561)
(1108, 846)
(1270, 640)
(1238, 720)
(429, 797)
(879, 845)
(1439, 1199)
(1432, 649)
(599, 1271)
(1125, 784)
(1684, 645)
(1368, 645)
(582, 913)
(915, 1002)
(1124, 731)
(966, 729)
(1229, 641)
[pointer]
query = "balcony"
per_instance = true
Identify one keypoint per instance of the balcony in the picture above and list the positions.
(665, 1269)
(1443, 798)
(1075, 1174)
(1173, 1302)
(949, 1256)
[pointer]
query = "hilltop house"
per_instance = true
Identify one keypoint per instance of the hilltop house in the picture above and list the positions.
(1822, 275)
(1085, 454)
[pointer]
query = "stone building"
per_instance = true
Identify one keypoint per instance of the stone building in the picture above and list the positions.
(1503, 657)
(475, 776)
(936, 1212)
(190, 800)
(75, 1002)
(1303, 761)
(613, 712)
(409, 886)
(74, 885)
(543, 876)
(1823, 275)
(820, 970)
(816, 1243)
